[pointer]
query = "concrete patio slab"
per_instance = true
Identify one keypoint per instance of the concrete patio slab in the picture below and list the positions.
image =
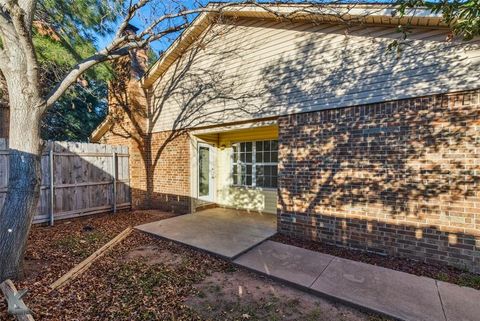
(285, 262)
(241, 237)
(397, 294)
(223, 232)
(459, 303)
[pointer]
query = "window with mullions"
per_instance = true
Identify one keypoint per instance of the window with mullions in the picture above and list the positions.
(255, 164)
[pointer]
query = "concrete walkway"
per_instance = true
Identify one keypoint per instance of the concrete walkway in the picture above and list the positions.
(223, 232)
(396, 294)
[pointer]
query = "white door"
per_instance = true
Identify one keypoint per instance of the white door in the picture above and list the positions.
(206, 172)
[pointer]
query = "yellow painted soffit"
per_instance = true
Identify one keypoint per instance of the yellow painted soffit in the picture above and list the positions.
(245, 135)
(227, 138)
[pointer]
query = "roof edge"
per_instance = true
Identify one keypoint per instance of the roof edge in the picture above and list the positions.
(289, 11)
(101, 130)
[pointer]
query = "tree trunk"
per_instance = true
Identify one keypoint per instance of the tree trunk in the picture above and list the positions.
(4, 113)
(24, 177)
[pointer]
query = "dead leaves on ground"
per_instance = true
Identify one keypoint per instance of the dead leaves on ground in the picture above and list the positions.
(115, 288)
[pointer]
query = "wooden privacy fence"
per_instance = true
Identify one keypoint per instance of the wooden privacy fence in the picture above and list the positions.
(77, 179)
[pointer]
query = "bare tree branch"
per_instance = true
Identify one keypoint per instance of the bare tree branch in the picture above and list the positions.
(210, 9)
(130, 14)
(78, 70)
(122, 42)
(109, 53)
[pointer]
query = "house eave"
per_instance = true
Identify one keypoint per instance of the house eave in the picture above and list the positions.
(101, 129)
(376, 14)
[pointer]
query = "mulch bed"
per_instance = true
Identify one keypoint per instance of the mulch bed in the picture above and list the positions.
(442, 273)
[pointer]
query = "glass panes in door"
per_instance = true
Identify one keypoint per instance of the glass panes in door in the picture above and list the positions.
(204, 171)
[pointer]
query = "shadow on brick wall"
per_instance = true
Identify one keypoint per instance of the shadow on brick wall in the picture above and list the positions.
(155, 123)
(399, 177)
(173, 203)
(425, 243)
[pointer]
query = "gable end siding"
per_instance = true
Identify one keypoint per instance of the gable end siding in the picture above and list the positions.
(260, 68)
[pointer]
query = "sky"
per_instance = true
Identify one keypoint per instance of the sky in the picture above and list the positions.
(146, 14)
(155, 8)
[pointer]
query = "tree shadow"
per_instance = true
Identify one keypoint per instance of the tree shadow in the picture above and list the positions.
(400, 164)
(345, 66)
(378, 167)
(389, 156)
(158, 120)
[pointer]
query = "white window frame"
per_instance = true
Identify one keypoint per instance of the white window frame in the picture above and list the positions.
(254, 163)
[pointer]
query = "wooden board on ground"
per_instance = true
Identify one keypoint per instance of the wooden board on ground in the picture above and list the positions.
(83, 266)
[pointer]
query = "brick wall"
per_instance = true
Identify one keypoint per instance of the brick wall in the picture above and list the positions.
(171, 175)
(169, 186)
(159, 162)
(400, 178)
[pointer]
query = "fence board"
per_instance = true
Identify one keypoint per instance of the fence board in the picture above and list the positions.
(83, 179)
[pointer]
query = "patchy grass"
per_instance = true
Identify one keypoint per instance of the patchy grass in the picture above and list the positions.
(469, 280)
(81, 246)
(240, 295)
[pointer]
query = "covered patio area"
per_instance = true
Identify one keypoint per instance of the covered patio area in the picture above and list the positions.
(224, 232)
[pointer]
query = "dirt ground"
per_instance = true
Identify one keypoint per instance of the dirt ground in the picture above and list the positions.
(235, 294)
(145, 278)
(238, 295)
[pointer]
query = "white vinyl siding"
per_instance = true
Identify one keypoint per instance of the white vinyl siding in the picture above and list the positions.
(262, 68)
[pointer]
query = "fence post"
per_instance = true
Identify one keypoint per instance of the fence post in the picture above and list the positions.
(52, 186)
(114, 170)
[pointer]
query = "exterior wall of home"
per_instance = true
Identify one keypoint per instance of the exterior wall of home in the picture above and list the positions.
(227, 195)
(253, 68)
(160, 163)
(171, 175)
(400, 177)
(169, 189)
